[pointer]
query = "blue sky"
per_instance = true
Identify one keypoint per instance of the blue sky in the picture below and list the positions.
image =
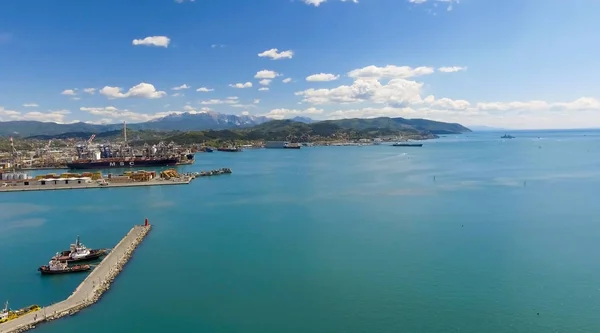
(510, 63)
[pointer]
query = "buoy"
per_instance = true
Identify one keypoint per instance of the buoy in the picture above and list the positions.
(146, 222)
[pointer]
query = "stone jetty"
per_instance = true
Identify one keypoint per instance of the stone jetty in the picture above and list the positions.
(90, 290)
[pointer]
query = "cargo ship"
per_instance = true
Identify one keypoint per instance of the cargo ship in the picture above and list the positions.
(106, 163)
(7, 314)
(104, 156)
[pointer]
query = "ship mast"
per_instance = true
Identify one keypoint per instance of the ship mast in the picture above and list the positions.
(125, 132)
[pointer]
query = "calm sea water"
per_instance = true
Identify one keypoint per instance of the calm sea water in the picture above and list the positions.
(336, 239)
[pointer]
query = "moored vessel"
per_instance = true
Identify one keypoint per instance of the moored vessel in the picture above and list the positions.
(230, 149)
(507, 136)
(79, 252)
(61, 267)
(7, 314)
(125, 162)
(407, 144)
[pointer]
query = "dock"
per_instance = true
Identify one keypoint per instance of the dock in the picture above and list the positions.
(90, 290)
(154, 182)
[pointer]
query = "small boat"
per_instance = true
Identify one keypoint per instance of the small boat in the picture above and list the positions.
(292, 146)
(7, 314)
(79, 252)
(230, 149)
(407, 144)
(61, 267)
(507, 136)
(208, 150)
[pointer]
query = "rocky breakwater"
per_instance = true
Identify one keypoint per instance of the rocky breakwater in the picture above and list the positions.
(90, 290)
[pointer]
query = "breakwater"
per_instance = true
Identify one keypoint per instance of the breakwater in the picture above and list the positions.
(90, 290)
(51, 187)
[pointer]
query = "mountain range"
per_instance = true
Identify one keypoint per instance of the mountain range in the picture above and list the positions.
(218, 121)
(181, 122)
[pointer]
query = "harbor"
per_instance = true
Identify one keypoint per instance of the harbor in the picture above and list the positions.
(90, 290)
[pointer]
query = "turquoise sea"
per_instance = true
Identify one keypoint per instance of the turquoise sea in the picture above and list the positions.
(505, 238)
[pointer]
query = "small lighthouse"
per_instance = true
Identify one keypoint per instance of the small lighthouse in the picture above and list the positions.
(146, 222)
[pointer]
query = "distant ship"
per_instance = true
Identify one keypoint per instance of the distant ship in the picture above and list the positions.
(407, 144)
(507, 136)
(122, 162)
(230, 149)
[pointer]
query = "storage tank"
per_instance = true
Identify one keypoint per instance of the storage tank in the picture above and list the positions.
(153, 150)
(97, 155)
(22, 176)
(8, 176)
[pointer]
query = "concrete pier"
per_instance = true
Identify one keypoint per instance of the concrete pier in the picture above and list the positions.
(154, 182)
(90, 290)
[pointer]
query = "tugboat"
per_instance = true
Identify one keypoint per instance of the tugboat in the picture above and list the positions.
(79, 252)
(507, 136)
(7, 314)
(58, 267)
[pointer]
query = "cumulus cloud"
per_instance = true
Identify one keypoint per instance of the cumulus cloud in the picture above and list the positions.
(241, 85)
(204, 89)
(159, 41)
(286, 80)
(57, 116)
(142, 90)
(287, 113)
(90, 91)
(322, 77)
(69, 92)
(263, 89)
(389, 72)
(264, 82)
(274, 54)
(396, 91)
(266, 74)
(30, 105)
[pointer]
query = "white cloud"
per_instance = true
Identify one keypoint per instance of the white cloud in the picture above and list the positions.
(256, 101)
(417, 1)
(75, 98)
(322, 77)
(214, 46)
(204, 89)
(142, 90)
(177, 94)
(112, 112)
(286, 80)
(274, 54)
(266, 74)
(317, 3)
(181, 87)
(69, 92)
(160, 41)
(241, 85)
(396, 92)
(90, 91)
(263, 89)
(228, 100)
(264, 82)
(287, 113)
(452, 69)
(57, 116)
(390, 72)
(30, 105)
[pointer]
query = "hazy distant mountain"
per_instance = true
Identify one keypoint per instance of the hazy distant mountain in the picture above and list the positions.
(185, 122)
(201, 121)
(305, 120)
